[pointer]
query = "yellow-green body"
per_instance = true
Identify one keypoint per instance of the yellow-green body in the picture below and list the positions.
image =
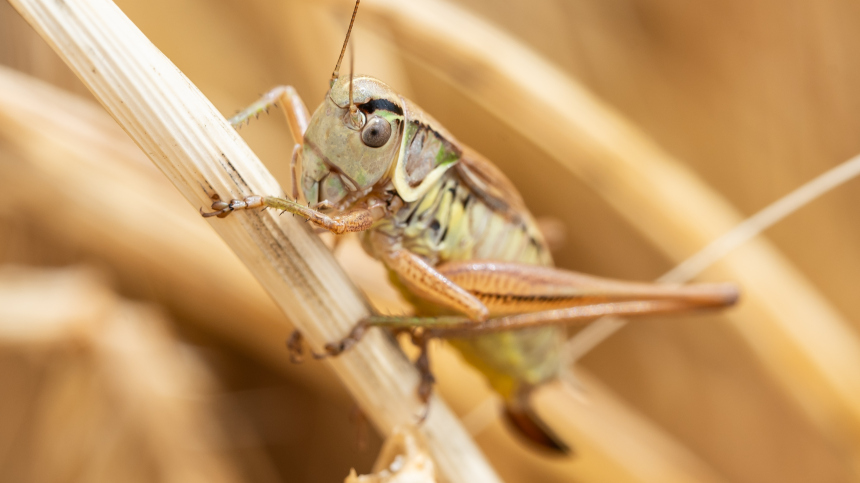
(445, 216)
(450, 222)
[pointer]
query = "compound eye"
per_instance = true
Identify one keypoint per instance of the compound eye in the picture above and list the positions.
(376, 132)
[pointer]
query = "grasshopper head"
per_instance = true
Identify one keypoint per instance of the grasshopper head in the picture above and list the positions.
(347, 152)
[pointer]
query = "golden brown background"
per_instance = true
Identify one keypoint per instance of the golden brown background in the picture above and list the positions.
(145, 376)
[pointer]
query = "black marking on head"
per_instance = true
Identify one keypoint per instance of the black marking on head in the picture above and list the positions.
(384, 104)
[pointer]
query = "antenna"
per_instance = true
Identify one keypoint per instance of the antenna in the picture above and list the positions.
(335, 74)
(351, 67)
(356, 118)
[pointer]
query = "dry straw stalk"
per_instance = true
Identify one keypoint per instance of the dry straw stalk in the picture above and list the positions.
(182, 133)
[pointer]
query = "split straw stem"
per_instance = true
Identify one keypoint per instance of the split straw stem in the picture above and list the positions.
(194, 146)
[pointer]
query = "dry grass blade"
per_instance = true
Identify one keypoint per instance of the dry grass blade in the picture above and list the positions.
(198, 151)
(98, 388)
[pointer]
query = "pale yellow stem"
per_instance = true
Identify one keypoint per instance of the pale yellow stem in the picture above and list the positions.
(182, 133)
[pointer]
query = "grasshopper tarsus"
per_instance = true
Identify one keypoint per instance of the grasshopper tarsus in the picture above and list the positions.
(222, 208)
(220, 213)
(334, 349)
(296, 347)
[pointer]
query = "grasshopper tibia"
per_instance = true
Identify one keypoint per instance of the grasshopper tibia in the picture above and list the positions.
(355, 220)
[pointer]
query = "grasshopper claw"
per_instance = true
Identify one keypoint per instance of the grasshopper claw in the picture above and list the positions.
(295, 347)
(333, 349)
(222, 208)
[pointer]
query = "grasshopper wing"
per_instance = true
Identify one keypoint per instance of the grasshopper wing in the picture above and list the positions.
(490, 184)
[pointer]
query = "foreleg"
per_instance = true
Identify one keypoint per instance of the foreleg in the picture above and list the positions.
(356, 220)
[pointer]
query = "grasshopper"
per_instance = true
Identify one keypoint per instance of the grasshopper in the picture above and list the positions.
(454, 234)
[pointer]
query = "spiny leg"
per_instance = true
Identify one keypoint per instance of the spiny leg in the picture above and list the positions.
(426, 282)
(295, 110)
(422, 329)
(517, 288)
(510, 288)
(461, 326)
(356, 220)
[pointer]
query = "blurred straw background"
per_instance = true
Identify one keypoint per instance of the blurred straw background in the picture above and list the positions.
(135, 346)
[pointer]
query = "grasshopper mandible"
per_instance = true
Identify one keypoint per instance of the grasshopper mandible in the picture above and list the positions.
(454, 233)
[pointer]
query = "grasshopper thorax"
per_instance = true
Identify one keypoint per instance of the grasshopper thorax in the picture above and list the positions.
(346, 155)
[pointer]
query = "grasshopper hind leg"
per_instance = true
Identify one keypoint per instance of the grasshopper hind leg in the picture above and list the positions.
(517, 412)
